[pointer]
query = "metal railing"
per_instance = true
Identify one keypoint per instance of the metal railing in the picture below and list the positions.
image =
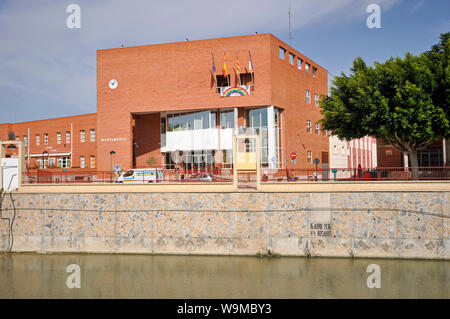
(161, 175)
(356, 174)
(246, 179)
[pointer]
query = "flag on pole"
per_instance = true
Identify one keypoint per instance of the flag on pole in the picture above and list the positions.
(250, 63)
(213, 66)
(238, 67)
(225, 71)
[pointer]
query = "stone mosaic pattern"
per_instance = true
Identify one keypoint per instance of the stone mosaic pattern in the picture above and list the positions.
(412, 224)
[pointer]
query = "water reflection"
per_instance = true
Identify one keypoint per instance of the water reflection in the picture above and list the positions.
(147, 276)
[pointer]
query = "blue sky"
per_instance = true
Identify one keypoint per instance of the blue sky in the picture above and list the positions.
(48, 70)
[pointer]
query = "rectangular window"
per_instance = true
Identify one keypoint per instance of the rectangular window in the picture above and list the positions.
(314, 72)
(246, 78)
(68, 137)
(309, 156)
(51, 162)
(282, 53)
(64, 162)
(82, 163)
(58, 137)
(227, 119)
(38, 139)
(25, 139)
(46, 139)
(82, 136)
(308, 96)
(306, 67)
(17, 138)
(291, 58)
(213, 116)
(317, 128)
(316, 99)
(92, 135)
(308, 126)
(92, 161)
(324, 132)
(221, 82)
(299, 63)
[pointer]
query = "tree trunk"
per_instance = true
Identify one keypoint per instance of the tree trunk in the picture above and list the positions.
(414, 163)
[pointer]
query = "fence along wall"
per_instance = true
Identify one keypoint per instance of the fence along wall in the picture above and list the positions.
(369, 224)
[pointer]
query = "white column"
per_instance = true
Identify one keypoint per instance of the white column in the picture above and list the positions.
(270, 135)
(71, 144)
(236, 127)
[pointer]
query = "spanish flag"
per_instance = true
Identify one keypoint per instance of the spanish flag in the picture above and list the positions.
(225, 71)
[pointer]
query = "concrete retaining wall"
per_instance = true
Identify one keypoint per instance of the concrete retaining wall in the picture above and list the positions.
(369, 224)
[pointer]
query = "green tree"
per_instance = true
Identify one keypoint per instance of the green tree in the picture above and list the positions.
(403, 101)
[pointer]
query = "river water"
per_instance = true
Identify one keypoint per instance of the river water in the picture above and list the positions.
(164, 276)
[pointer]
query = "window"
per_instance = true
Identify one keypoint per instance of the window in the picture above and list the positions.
(82, 136)
(221, 82)
(314, 72)
(282, 53)
(246, 78)
(38, 139)
(163, 125)
(51, 162)
(317, 128)
(17, 138)
(82, 163)
(92, 135)
(299, 63)
(58, 137)
(190, 121)
(46, 139)
(309, 156)
(227, 119)
(308, 96)
(308, 126)
(291, 58)
(324, 131)
(68, 137)
(316, 99)
(306, 67)
(64, 162)
(25, 139)
(92, 161)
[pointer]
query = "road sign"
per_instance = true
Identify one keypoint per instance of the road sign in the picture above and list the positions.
(293, 155)
(316, 161)
(294, 161)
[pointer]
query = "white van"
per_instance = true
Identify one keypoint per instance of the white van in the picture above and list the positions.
(143, 175)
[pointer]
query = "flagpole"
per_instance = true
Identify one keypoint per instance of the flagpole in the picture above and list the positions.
(238, 68)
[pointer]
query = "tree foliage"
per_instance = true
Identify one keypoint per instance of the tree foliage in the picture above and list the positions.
(403, 101)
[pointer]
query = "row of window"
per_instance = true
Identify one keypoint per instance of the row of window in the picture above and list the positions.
(300, 62)
(197, 121)
(308, 98)
(316, 128)
(59, 137)
(63, 162)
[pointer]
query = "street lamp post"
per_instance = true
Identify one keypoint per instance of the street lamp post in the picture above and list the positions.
(110, 162)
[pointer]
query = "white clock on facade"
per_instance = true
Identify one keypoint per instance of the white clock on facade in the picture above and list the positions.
(113, 84)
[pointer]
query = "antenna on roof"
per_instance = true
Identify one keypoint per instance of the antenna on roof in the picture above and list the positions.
(290, 34)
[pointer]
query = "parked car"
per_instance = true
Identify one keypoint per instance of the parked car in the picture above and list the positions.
(144, 175)
(204, 177)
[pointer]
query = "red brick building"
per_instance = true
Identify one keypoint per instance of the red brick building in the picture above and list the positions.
(66, 142)
(154, 100)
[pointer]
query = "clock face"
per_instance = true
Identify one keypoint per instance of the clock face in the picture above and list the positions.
(113, 84)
